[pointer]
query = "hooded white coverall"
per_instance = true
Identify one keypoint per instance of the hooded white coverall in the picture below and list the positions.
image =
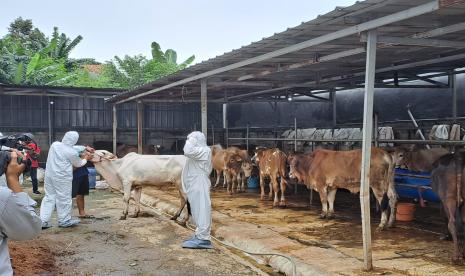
(196, 182)
(59, 177)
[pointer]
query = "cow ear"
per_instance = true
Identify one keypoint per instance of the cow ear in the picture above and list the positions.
(238, 159)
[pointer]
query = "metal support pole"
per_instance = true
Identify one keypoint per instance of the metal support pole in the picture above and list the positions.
(295, 147)
(203, 99)
(140, 115)
(213, 134)
(453, 84)
(115, 125)
(366, 147)
(416, 125)
(333, 93)
(50, 122)
(247, 138)
(375, 132)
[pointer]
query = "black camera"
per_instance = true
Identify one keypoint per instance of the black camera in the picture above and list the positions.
(17, 141)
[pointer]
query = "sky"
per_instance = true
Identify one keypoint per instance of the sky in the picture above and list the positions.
(206, 28)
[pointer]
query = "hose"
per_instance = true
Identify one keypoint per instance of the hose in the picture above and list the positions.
(294, 267)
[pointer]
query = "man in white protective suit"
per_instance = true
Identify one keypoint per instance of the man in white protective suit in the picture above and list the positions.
(196, 184)
(58, 181)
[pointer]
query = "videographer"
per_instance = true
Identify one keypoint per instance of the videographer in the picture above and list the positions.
(33, 156)
(18, 219)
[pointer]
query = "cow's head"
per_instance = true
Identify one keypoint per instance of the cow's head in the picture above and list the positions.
(295, 161)
(399, 156)
(258, 155)
(234, 161)
(247, 168)
(100, 155)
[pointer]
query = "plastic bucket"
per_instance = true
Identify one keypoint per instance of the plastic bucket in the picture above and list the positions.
(252, 182)
(405, 211)
(92, 177)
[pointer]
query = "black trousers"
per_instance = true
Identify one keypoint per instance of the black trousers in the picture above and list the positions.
(35, 183)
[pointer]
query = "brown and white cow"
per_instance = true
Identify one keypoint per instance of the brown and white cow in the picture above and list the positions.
(246, 167)
(420, 160)
(448, 183)
(325, 171)
(272, 164)
(135, 171)
(227, 163)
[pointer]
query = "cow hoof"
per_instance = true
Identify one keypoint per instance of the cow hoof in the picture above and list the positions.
(174, 218)
(262, 198)
(381, 228)
(457, 261)
(134, 216)
(330, 216)
(322, 216)
(445, 237)
(122, 218)
(282, 204)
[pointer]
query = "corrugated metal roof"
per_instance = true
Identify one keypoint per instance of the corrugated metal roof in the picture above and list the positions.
(337, 63)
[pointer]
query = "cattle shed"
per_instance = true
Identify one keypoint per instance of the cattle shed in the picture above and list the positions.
(372, 44)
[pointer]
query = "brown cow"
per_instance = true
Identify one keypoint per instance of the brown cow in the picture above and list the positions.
(448, 183)
(272, 164)
(228, 163)
(123, 149)
(420, 160)
(246, 167)
(325, 171)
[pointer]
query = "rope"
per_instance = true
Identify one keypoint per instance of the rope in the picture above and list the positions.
(294, 267)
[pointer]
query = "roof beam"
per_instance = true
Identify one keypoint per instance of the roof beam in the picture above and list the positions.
(441, 31)
(426, 79)
(372, 24)
(417, 41)
(326, 58)
(240, 84)
(355, 75)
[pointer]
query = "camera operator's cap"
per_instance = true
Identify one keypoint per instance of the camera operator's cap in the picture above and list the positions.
(29, 135)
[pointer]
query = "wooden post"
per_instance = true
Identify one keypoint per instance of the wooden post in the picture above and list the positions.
(140, 123)
(366, 147)
(115, 125)
(203, 100)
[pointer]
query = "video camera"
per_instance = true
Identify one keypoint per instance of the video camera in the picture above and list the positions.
(17, 141)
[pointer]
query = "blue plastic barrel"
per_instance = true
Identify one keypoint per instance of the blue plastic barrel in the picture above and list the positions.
(410, 184)
(252, 182)
(92, 177)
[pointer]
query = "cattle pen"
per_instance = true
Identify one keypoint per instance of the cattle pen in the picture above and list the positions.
(372, 44)
(378, 73)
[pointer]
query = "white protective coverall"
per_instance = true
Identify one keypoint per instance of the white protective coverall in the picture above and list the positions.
(59, 177)
(196, 182)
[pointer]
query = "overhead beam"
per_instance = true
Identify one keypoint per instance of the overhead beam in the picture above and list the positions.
(426, 79)
(441, 31)
(417, 41)
(385, 20)
(354, 75)
(239, 84)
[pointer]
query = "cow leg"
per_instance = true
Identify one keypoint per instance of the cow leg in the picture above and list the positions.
(262, 188)
(384, 212)
(126, 198)
(225, 179)
(450, 211)
(274, 182)
(271, 185)
(324, 203)
(393, 197)
(238, 179)
(218, 175)
(229, 180)
(331, 198)
(137, 195)
(282, 203)
(243, 178)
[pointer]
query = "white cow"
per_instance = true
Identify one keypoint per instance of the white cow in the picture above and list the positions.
(135, 171)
